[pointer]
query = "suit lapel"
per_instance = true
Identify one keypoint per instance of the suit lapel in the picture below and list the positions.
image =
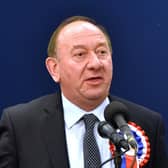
(53, 132)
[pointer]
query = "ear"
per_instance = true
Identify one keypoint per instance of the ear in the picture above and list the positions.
(52, 66)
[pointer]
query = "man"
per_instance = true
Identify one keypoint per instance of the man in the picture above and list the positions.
(49, 131)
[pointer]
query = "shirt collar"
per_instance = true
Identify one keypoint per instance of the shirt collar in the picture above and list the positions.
(72, 113)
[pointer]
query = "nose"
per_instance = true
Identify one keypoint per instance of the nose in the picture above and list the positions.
(94, 61)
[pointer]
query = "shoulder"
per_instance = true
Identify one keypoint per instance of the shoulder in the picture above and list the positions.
(33, 107)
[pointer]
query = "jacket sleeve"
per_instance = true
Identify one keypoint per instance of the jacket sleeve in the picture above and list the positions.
(7, 143)
(160, 159)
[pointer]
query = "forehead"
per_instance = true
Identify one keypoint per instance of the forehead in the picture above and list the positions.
(80, 30)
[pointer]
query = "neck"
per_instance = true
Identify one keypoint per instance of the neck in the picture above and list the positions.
(86, 104)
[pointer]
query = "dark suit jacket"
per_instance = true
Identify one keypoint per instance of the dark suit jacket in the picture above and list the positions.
(32, 135)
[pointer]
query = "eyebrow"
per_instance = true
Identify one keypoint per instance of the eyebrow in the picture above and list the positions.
(102, 44)
(78, 46)
(83, 46)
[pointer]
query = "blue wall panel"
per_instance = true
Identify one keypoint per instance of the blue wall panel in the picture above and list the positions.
(139, 34)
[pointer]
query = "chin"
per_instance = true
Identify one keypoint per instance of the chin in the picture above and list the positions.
(95, 96)
(95, 93)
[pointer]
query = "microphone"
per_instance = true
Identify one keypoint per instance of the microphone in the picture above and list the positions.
(105, 130)
(116, 113)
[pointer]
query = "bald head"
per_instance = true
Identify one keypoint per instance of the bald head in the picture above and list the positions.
(64, 27)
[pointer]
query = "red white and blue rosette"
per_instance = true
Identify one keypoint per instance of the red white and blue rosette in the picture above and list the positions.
(143, 148)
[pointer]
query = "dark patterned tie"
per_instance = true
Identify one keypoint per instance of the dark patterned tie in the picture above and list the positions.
(91, 151)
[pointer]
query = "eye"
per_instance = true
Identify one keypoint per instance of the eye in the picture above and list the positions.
(102, 52)
(79, 54)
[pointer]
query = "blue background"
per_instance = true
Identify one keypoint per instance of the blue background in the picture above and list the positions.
(139, 31)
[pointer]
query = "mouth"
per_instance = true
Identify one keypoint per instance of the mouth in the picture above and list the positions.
(94, 80)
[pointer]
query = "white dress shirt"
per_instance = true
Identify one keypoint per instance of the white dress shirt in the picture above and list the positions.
(75, 129)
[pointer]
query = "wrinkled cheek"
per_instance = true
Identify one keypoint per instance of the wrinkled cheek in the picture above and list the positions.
(65, 78)
(111, 70)
(82, 87)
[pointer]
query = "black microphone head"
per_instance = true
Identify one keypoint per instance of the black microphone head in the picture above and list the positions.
(113, 109)
(104, 129)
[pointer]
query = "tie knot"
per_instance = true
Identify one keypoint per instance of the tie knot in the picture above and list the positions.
(90, 120)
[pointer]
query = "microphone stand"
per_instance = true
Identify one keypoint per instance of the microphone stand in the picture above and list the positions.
(117, 159)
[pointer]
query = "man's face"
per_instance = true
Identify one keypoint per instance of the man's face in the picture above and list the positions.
(84, 63)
